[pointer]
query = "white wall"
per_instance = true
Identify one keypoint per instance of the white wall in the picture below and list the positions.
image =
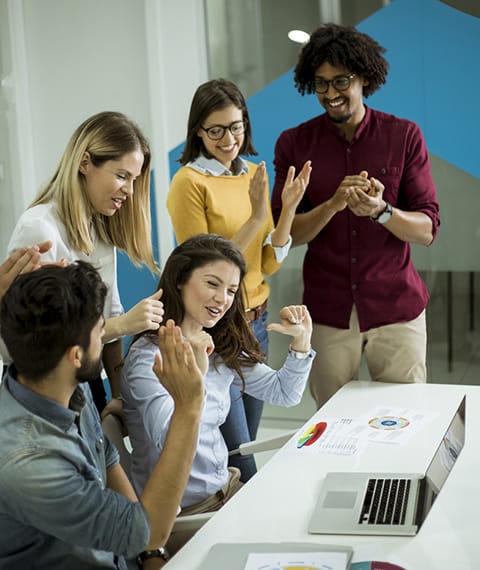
(142, 57)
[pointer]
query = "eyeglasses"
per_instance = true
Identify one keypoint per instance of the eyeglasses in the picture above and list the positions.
(217, 132)
(340, 83)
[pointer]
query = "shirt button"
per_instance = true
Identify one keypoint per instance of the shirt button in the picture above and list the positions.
(349, 150)
(354, 233)
(354, 286)
(354, 260)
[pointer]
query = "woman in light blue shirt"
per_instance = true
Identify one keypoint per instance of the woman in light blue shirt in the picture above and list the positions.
(202, 282)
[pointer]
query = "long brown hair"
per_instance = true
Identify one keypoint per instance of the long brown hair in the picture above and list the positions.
(234, 341)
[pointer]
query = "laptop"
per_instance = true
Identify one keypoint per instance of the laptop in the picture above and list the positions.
(387, 503)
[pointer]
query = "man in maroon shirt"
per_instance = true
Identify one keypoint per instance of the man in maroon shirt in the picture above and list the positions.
(370, 195)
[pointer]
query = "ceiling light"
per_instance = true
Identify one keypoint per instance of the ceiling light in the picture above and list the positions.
(298, 36)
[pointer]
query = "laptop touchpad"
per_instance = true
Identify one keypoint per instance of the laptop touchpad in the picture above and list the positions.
(340, 499)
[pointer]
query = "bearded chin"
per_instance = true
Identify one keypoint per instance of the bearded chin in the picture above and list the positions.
(90, 370)
(340, 120)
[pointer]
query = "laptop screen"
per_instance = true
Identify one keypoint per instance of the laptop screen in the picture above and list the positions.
(443, 461)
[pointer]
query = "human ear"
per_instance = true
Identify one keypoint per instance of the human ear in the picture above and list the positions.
(75, 355)
(85, 162)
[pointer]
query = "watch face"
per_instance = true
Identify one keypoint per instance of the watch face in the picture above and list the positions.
(386, 215)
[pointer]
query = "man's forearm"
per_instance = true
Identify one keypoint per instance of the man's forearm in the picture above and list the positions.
(411, 227)
(166, 485)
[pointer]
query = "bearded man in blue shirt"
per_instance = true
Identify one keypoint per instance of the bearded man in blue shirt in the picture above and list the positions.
(65, 501)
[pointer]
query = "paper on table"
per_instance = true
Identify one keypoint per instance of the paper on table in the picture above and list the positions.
(337, 436)
(297, 561)
(350, 436)
(396, 425)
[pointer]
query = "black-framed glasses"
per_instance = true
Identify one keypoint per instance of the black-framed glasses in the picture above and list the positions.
(217, 132)
(340, 83)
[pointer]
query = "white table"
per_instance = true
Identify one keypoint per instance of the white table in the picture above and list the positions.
(277, 503)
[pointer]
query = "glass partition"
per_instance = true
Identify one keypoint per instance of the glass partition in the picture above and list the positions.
(248, 44)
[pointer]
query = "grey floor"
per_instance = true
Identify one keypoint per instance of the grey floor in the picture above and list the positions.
(454, 361)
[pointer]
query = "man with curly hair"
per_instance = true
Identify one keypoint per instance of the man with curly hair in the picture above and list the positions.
(370, 195)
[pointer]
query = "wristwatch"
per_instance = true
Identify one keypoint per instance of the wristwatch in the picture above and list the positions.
(297, 354)
(155, 553)
(384, 216)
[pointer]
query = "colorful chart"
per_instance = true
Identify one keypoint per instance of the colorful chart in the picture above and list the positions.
(312, 434)
(388, 422)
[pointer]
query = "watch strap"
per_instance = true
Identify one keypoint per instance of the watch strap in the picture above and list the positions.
(154, 553)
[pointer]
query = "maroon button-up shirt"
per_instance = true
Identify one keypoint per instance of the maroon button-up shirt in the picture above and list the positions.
(352, 259)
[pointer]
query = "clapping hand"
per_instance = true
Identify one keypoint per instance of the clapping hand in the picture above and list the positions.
(176, 368)
(294, 188)
(257, 193)
(365, 196)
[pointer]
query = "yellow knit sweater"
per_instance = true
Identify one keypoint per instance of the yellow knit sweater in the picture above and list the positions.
(202, 203)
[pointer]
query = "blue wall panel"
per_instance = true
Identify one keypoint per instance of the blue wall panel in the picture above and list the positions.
(433, 80)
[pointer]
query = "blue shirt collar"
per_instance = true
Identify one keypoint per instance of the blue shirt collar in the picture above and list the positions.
(40, 406)
(215, 168)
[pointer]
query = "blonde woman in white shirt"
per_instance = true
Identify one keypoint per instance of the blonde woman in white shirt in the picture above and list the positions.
(98, 200)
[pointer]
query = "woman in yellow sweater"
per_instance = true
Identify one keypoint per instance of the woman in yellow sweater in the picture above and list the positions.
(217, 191)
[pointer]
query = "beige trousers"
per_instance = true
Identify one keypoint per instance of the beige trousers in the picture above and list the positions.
(216, 501)
(393, 353)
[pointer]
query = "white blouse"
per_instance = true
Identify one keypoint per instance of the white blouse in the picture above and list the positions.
(42, 223)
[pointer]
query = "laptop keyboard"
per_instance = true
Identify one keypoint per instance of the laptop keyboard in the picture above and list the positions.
(385, 502)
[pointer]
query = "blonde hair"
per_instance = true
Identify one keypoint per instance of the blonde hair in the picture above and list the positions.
(105, 136)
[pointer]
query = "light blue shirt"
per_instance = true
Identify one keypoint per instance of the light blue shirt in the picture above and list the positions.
(148, 408)
(214, 167)
(55, 509)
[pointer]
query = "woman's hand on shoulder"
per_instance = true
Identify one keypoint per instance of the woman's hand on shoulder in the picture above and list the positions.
(24, 260)
(295, 320)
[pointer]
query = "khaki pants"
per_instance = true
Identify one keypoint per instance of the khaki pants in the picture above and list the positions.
(212, 503)
(216, 501)
(393, 353)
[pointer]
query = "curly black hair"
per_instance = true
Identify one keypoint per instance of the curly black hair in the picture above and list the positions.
(341, 46)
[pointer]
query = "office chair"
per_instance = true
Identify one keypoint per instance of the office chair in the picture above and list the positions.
(259, 445)
(112, 427)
